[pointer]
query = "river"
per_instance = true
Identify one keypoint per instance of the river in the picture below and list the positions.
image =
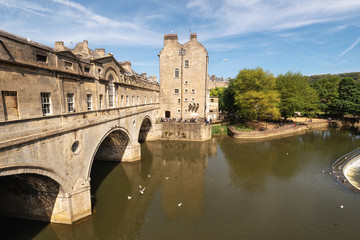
(220, 189)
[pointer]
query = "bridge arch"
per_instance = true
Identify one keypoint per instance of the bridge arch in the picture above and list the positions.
(32, 193)
(112, 146)
(145, 128)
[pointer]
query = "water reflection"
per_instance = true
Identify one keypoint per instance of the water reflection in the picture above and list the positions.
(228, 189)
(253, 163)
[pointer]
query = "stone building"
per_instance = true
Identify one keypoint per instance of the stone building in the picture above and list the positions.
(183, 74)
(214, 82)
(39, 81)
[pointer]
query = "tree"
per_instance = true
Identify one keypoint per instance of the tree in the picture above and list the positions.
(296, 95)
(328, 91)
(348, 101)
(255, 94)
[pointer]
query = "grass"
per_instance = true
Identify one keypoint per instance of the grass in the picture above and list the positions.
(219, 130)
(243, 127)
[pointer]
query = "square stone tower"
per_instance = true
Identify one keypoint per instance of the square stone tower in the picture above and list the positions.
(183, 74)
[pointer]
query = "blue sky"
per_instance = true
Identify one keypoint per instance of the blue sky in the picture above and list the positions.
(310, 36)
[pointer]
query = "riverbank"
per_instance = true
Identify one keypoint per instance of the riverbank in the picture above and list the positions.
(273, 130)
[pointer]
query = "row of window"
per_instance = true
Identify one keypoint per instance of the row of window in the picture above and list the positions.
(11, 110)
(186, 100)
(68, 65)
(176, 91)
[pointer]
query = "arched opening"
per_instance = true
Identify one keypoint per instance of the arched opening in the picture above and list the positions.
(29, 196)
(144, 130)
(113, 147)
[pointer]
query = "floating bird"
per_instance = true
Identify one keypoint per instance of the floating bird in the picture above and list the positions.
(142, 191)
(330, 173)
(287, 153)
(179, 205)
(323, 171)
(129, 197)
(225, 60)
(167, 178)
(140, 186)
(149, 176)
(341, 206)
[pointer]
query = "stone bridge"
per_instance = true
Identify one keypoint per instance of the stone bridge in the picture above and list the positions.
(45, 163)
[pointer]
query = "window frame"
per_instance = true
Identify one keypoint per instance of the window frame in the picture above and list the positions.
(70, 104)
(45, 103)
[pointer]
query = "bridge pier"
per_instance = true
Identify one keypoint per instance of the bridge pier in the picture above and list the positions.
(69, 208)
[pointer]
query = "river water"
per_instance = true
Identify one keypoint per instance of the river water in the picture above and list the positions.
(220, 189)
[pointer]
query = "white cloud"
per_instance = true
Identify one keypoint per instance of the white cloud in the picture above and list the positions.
(350, 48)
(235, 17)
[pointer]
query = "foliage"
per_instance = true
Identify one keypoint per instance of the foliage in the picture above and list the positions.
(296, 95)
(348, 101)
(328, 91)
(219, 92)
(255, 95)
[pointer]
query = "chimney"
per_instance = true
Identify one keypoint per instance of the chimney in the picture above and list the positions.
(170, 38)
(126, 65)
(100, 51)
(59, 46)
(86, 44)
(193, 37)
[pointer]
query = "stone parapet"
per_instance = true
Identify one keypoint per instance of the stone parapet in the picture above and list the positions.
(185, 131)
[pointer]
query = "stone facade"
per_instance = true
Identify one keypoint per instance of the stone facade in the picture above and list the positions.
(183, 74)
(213, 108)
(38, 81)
(59, 109)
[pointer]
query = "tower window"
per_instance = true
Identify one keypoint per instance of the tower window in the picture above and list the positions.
(176, 75)
(41, 58)
(186, 63)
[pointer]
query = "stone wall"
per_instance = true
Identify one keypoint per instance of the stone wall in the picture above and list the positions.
(185, 131)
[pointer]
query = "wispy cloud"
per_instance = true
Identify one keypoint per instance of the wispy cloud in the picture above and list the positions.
(235, 17)
(350, 48)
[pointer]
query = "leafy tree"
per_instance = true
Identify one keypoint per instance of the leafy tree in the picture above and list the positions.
(255, 94)
(296, 95)
(328, 91)
(348, 101)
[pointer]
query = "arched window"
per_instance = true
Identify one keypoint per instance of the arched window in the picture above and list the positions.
(111, 91)
(176, 75)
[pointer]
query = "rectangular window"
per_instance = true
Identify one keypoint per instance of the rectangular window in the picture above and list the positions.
(100, 101)
(41, 58)
(116, 96)
(176, 91)
(186, 82)
(132, 101)
(186, 99)
(186, 90)
(45, 103)
(68, 65)
(89, 101)
(122, 100)
(186, 63)
(87, 69)
(179, 100)
(192, 90)
(10, 105)
(127, 101)
(176, 74)
(138, 100)
(70, 102)
(212, 100)
(193, 99)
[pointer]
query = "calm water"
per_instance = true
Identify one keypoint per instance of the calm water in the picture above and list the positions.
(221, 189)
